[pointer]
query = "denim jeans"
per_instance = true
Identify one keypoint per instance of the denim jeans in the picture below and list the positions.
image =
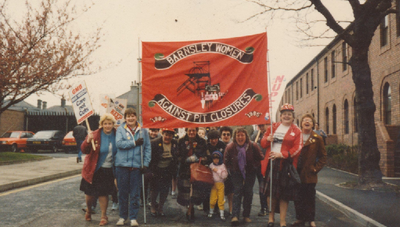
(129, 182)
(78, 147)
(242, 188)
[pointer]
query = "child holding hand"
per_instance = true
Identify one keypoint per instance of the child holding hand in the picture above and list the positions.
(217, 191)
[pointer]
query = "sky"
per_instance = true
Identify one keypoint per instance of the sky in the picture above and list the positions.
(125, 23)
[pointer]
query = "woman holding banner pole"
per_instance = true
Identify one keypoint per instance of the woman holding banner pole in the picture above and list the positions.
(97, 172)
(132, 159)
(287, 139)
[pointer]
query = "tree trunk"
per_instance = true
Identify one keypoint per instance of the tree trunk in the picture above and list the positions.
(369, 155)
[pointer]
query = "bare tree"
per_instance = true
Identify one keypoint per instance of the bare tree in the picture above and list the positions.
(39, 51)
(367, 16)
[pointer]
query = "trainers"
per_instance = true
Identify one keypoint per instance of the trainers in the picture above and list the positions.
(134, 223)
(114, 206)
(262, 212)
(121, 222)
(221, 214)
(235, 221)
(200, 207)
(247, 220)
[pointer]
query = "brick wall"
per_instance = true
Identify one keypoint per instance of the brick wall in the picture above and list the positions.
(385, 70)
(11, 120)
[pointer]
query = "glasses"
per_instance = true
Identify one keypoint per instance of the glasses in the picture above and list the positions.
(307, 120)
(226, 134)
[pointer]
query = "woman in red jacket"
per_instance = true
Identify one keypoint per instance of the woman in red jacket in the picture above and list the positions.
(97, 171)
(286, 139)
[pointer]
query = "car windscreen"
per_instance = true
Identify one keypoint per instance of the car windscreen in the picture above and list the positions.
(10, 135)
(43, 134)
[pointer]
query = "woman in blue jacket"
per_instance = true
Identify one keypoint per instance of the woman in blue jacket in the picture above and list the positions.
(131, 141)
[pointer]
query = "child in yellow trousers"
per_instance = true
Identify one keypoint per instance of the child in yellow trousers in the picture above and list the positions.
(217, 191)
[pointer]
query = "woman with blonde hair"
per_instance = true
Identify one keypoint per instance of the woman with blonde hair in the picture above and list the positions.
(97, 172)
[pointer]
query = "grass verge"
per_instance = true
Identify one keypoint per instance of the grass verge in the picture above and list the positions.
(7, 158)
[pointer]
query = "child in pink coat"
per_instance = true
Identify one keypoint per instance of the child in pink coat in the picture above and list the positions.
(218, 190)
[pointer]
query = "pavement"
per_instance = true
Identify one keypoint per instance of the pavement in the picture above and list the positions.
(369, 208)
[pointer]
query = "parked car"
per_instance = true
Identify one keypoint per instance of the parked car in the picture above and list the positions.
(69, 143)
(14, 140)
(46, 140)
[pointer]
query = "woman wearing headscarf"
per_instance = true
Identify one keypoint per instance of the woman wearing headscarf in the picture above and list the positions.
(312, 160)
(97, 172)
(191, 148)
(242, 157)
(287, 140)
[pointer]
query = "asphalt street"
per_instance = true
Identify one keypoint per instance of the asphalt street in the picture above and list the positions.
(60, 203)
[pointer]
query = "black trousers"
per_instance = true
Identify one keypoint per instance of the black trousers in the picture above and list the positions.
(305, 203)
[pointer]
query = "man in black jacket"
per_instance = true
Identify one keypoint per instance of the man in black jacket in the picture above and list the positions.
(163, 166)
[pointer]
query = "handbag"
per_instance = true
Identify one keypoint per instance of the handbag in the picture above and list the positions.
(201, 173)
(289, 175)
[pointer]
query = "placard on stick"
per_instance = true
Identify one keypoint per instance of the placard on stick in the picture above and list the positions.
(81, 104)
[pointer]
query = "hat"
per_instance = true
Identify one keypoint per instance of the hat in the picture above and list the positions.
(168, 130)
(287, 106)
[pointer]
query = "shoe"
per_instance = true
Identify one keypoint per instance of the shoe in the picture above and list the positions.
(114, 206)
(93, 212)
(222, 217)
(247, 220)
(103, 221)
(134, 223)
(120, 222)
(200, 207)
(262, 212)
(88, 216)
(234, 221)
(298, 223)
(210, 215)
(313, 224)
(270, 224)
(77, 160)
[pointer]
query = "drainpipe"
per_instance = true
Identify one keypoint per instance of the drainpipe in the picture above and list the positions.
(317, 74)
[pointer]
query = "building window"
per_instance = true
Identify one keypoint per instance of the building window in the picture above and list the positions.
(398, 17)
(334, 119)
(327, 120)
(346, 117)
(387, 104)
(384, 30)
(326, 69)
(333, 69)
(297, 90)
(344, 56)
(312, 78)
(307, 83)
(355, 116)
(301, 87)
(288, 101)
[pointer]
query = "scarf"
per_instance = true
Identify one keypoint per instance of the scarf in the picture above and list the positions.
(242, 159)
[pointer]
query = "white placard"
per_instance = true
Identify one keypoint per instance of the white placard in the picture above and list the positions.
(117, 108)
(81, 102)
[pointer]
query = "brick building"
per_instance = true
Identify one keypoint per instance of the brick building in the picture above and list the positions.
(325, 89)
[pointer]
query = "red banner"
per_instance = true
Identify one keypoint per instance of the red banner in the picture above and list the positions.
(205, 83)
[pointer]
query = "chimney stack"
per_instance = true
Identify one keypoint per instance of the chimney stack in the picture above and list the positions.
(39, 104)
(63, 102)
(44, 105)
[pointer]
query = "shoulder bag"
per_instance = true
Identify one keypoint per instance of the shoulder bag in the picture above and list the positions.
(201, 173)
(289, 175)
